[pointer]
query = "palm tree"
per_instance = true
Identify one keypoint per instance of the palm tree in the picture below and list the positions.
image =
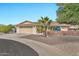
(45, 23)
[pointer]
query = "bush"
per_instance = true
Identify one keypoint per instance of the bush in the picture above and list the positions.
(5, 28)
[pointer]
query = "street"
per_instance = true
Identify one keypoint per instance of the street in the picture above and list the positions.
(14, 48)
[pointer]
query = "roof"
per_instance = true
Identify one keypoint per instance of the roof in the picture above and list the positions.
(29, 23)
(58, 24)
(25, 23)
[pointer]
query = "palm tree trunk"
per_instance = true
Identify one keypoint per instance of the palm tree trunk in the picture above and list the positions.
(45, 32)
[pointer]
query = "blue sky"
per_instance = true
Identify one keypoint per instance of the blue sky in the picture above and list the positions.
(13, 13)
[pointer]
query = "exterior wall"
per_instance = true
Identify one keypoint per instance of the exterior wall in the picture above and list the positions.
(34, 30)
(17, 29)
(26, 30)
(64, 28)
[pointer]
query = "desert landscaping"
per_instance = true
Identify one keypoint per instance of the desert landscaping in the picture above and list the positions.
(39, 29)
(50, 46)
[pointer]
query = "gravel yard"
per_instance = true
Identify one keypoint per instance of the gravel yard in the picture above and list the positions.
(53, 40)
(62, 45)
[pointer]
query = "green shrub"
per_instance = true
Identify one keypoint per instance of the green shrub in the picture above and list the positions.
(5, 28)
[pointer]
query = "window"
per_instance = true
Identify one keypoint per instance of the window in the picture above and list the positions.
(57, 28)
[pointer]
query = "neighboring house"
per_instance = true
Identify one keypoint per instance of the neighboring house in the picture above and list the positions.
(60, 27)
(74, 27)
(31, 27)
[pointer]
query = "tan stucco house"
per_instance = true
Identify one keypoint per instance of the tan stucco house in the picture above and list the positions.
(26, 27)
(31, 27)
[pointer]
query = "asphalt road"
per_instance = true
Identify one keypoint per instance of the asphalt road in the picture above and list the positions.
(14, 48)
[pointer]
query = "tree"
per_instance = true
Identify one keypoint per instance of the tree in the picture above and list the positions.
(11, 26)
(44, 23)
(68, 13)
(6, 28)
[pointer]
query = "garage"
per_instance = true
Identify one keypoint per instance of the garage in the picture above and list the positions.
(26, 27)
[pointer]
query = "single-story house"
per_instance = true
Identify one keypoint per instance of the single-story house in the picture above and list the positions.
(60, 27)
(26, 27)
(31, 27)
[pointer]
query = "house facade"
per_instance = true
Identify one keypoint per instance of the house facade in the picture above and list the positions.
(26, 27)
(60, 27)
(31, 27)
